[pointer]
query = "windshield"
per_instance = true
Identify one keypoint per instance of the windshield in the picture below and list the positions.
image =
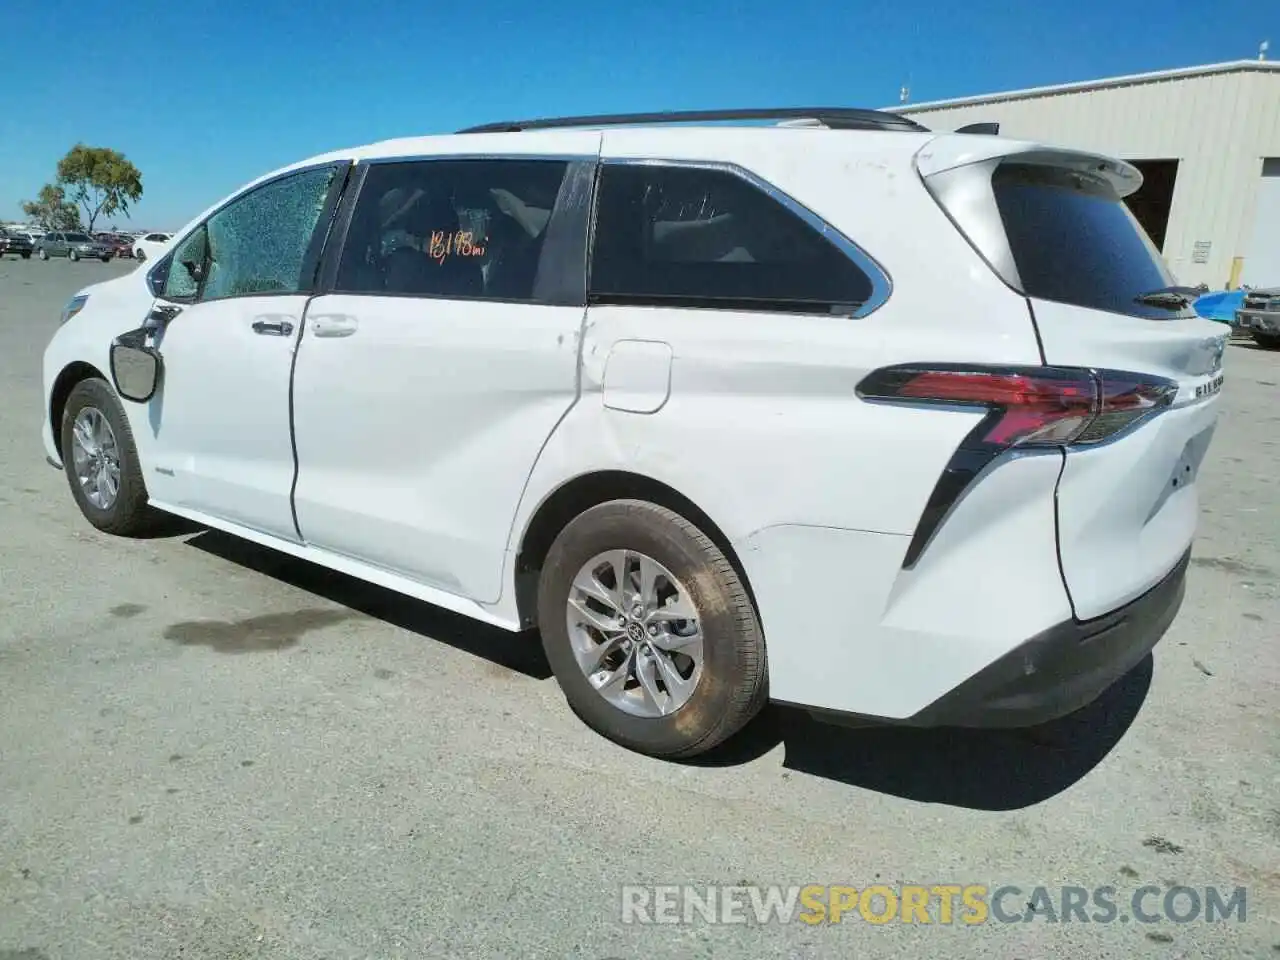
(76, 237)
(1074, 241)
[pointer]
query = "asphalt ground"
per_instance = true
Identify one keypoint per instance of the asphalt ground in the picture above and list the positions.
(211, 751)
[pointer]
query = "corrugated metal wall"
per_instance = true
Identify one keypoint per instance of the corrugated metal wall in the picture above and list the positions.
(1219, 126)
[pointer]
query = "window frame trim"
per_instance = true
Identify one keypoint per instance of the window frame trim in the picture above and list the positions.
(337, 188)
(881, 281)
(327, 284)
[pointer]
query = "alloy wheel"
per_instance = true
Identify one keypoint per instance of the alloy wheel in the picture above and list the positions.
(95, 458)
(635, 633)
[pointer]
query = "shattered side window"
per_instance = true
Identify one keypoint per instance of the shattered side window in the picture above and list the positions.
(259, 243)
(179, 284)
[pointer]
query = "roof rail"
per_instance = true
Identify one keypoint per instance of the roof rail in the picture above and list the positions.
(835, 118)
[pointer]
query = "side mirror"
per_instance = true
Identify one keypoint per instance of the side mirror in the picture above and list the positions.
(136, 368)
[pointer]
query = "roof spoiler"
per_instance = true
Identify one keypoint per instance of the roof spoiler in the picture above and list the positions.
(990, 129)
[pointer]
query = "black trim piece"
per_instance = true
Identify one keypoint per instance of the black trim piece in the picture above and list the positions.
(337, 241)
(838, 118)
(314, 256)
(988, 128)
(1035, 329)
(1054, 673)
(52, 462)
(969, 460)
(676, 302)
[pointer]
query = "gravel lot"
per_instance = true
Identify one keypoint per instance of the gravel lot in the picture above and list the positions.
(210, 751)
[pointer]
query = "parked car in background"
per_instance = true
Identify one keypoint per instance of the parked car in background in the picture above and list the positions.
(73, 246)
(120, 244)
(13, 243)
(151, 245)
(1259, 316)
(963, 496)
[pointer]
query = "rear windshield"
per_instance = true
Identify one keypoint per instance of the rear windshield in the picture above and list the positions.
(1074, 240)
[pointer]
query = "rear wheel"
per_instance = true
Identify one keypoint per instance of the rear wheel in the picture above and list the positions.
(649, 630)
(1269, 340)
(26, 256)
(43, 253)
(101, 461)
(74, 255)
(140, 254)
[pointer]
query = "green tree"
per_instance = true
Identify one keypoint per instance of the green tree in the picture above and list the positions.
(52, 210)
(101, 181)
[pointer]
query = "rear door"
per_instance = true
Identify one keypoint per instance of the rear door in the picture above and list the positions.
(440, 359)
(1127, 503)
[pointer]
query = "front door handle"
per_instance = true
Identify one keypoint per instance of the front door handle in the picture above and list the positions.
(273, 328)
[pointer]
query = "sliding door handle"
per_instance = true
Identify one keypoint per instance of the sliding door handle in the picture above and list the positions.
(332, 325)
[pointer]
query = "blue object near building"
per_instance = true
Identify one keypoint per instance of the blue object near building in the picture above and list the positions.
(1220, 306)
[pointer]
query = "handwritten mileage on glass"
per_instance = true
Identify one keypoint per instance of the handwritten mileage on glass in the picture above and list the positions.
(443, 245)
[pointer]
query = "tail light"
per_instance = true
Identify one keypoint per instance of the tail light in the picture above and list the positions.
(1026, 407)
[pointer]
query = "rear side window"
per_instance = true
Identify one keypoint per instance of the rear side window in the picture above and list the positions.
(1074, 240)
(696, 237)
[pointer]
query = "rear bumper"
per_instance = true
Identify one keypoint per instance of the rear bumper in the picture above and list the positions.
(1063, 668)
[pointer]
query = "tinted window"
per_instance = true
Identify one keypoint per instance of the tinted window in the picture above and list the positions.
(75, 237)
(711, 238)
(1074, 241)
(452, 228)
(262, 241)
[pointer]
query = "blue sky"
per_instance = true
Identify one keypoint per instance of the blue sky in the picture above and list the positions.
(205, 96)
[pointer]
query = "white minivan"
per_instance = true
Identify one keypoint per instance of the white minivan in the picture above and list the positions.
(843, 413)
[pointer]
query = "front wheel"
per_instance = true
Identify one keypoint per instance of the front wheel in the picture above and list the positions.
(1271, 341)
(140, 255)
(44, 254)
(101, 461)
(26, 256)
(649, 630)
(105, 258)
(74, 256)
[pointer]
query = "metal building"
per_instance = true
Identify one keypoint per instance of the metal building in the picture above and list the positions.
(1207, 140)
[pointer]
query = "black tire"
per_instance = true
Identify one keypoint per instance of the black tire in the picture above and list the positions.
(26, 256)
(1269, 341)
(140, 255)
(129, 515)
(74, 256)
(106, 258)
(734, 682)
